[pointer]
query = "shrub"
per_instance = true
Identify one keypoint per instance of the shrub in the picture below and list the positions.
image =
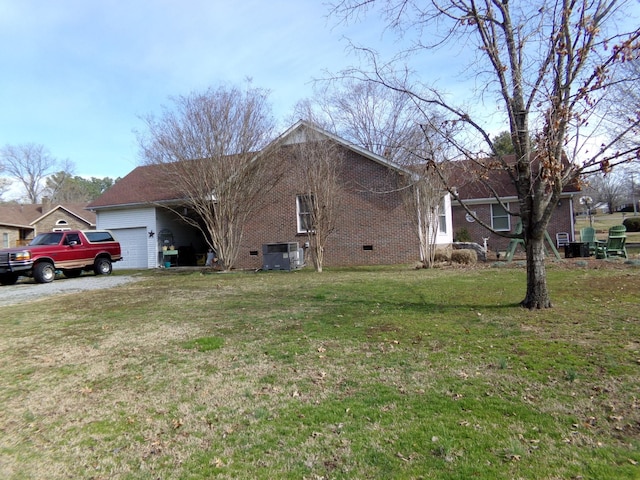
(632, 224)
(443, 254)
(462, 235)
(464, 256)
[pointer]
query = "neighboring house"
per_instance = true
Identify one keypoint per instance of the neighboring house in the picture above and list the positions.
(19, 223)
(480, 197)
(373, 228)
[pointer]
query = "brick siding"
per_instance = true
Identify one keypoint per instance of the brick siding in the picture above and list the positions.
(372, 216)
(560, 222)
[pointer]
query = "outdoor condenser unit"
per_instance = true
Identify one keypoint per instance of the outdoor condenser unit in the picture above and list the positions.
(281, 256)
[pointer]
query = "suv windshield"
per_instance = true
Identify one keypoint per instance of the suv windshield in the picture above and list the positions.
(47, 239)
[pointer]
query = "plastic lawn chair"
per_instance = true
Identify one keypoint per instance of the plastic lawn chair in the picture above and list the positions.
(616, 241)
(588, 235)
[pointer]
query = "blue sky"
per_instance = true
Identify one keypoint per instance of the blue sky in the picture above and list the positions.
(78, 74)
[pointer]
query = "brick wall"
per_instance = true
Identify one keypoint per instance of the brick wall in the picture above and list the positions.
(373, 227)
(560, 222)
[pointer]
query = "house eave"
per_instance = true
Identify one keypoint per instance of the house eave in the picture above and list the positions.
(119, 206)
(507, 199)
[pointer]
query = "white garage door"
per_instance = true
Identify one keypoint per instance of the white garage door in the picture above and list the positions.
(133, 243)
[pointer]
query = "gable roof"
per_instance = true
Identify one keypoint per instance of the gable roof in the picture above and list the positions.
(289, 136)
(483, 180)
(27, 215)
(140, 186)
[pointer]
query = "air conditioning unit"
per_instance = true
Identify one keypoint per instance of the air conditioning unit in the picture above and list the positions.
(282, 256)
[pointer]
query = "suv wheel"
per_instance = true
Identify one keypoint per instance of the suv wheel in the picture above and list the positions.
(102, 266)
(44, 272)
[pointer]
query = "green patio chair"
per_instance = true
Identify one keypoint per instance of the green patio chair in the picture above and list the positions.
(588, 235)
(616, 241)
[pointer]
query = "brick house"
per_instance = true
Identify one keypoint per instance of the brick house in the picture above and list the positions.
(373, 228)
(480, 197)
(20, 223)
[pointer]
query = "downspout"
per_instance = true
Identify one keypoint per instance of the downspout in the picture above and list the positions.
(573, 219)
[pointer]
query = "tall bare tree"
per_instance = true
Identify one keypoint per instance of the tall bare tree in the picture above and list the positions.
(609, 189)
(548, 62)
(29, 163)
(211, 147)
(365, 113)
(320, 202)
(5, 185)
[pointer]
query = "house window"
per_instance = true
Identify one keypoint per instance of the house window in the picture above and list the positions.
(61, 226)
(5, 240)
(304, 205)
(500, 219)
(442, 217)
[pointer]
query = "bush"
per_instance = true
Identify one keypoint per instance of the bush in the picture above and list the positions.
(632, 224)
(443, 254)
(462, 235)
(464, 256)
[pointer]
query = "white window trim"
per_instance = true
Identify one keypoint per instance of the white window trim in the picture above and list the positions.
(299, 212)
(506, 207)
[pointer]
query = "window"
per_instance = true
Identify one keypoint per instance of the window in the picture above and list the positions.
(500, 220)
(96, 236)
(72, 239)
(442, 217)
(62, 222)
(304, 205)
(5, 240)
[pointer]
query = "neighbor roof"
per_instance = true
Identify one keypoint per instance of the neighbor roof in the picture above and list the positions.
(479, 180)
(26, 215)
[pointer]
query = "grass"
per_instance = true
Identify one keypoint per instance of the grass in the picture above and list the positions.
(353, 373)
(602, 223)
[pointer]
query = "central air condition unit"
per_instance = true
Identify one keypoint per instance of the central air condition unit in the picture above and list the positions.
(281, 256)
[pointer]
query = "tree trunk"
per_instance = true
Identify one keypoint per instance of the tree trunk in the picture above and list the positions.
(537, 293)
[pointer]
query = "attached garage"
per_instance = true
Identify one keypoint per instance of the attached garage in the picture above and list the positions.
(133, 242)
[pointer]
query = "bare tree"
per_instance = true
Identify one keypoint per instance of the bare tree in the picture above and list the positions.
(5, 185)
(365, 113)
(424, 190)
(548, 63)
(28, 163)
(609, 189)
(320, 202)
(211, 147)
(623, 105)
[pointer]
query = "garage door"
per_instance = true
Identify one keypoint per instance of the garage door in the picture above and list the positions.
(133, 242)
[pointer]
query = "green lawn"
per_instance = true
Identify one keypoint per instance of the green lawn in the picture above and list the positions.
(352, 373)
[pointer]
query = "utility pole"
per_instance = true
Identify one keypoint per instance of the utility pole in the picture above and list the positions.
(633, 196)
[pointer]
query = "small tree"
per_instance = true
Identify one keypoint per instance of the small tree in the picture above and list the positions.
(210, 147)
(28, 163)
(321, 199)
